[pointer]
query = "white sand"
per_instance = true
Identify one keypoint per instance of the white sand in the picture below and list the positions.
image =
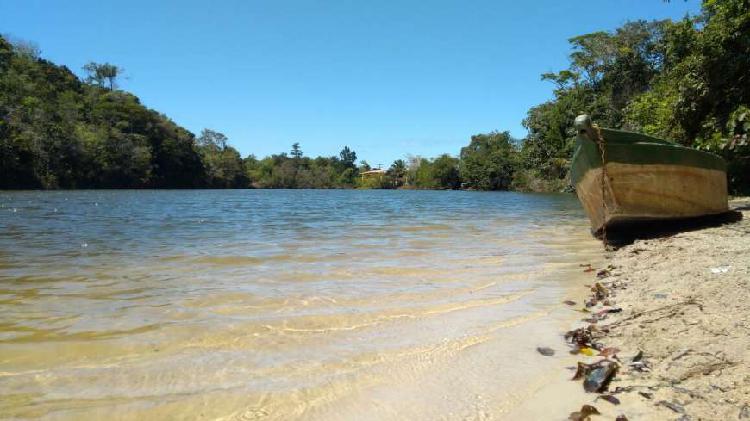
(686, 305)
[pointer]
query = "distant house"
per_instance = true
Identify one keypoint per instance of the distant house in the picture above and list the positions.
(372, 173)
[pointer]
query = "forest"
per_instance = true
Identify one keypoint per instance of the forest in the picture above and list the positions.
(684, 81)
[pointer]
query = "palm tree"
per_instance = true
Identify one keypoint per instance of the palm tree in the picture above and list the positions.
(397, 172)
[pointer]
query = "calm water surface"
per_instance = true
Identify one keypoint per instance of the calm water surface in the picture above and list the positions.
(280, 304)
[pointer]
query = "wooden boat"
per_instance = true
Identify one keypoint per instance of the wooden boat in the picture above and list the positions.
(643, 178)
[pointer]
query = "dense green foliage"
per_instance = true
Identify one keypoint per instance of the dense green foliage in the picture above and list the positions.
(59, 132)
(684, 81)
(298, 171)
(489, 161)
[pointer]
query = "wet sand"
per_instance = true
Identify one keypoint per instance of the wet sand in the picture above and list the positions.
(685, 305)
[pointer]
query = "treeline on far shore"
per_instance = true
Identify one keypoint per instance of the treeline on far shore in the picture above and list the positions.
(684, 81)
(61, 131)
(482, 165)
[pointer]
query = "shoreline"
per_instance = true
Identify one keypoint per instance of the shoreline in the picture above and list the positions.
(674, 310)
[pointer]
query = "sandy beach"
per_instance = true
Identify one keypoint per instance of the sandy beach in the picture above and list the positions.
(681, 302)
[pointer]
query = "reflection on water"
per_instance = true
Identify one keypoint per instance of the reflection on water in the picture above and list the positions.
(278, 304)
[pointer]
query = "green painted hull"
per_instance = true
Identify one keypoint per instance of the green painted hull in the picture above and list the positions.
(644, 179)
(635, 148)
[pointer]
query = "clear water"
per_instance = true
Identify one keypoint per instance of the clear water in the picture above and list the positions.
(284, 304)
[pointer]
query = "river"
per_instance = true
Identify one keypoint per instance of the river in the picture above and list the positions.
(282, 304)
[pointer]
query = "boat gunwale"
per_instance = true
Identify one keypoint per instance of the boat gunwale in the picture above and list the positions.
(637, 149)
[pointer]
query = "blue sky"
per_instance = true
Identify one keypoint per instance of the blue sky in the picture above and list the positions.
(387, 77)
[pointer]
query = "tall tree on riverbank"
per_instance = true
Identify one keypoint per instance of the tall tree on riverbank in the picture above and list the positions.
(685, 81)
(397, 173)
(223, 165)
(348, 161)
(489, 161)
(702, 95)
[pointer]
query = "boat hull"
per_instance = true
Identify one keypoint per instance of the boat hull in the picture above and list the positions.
(651, 192)
(647, 179)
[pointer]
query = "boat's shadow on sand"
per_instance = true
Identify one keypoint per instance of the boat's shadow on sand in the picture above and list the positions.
(625, 234)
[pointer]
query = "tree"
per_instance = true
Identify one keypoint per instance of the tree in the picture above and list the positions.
(702, 86)
(607, 71)
(348, 157)
(223, 165)
(489, 161)
(296, 151)
(212, 139)
(445, 171)
(397, 173)
(26, 48)
(439, 173)
(99, 73)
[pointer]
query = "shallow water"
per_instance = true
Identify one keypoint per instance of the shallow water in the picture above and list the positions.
(280, 304)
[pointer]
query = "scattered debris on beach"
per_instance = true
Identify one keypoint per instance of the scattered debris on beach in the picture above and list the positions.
(547, 352)
(669, 320)
(584, 414)
(609, 398)
(597, 376)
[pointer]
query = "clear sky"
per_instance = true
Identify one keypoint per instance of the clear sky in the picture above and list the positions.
(386, 77)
